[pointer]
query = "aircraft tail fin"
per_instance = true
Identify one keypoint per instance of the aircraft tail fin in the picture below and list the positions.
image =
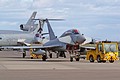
(30, 21)
(51, 33)
(30, 25)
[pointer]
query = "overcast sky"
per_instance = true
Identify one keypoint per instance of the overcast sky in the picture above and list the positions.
(98, 19)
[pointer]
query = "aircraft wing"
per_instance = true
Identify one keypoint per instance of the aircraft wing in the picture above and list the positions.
(89, 46)
(29, 47)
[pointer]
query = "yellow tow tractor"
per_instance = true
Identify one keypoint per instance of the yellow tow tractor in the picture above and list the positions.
(104, 51)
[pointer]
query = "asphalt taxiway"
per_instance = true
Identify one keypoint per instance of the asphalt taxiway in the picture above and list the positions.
(14, 67)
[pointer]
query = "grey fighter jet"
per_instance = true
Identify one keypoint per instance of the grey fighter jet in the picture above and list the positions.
(66, 42)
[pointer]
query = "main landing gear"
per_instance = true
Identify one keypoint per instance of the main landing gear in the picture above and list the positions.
(61, 54)
(44, 57)
(24, 54)
(76, 56)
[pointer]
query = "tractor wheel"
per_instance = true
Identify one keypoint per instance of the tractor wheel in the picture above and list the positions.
(99, 59)
(111, 61)
(104, 61)
(91, 59)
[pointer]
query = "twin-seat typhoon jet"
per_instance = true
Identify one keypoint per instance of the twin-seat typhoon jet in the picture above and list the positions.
(68, 41)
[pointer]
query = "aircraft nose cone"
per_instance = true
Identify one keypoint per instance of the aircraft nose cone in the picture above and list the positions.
(78, 39)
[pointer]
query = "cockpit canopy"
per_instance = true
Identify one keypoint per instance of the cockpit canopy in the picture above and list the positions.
(70, 32)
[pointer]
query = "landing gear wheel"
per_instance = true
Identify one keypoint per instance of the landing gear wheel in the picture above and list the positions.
(111, 61)
(104, 61)
(24, 54)
(71, 59)
(44, 57)
(77, 59)
(64, 55)
(50, 55)
(58, 55)
(91, 59)
(99, 59)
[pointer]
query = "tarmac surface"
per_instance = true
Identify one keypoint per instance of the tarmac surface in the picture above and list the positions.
(14, 67)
